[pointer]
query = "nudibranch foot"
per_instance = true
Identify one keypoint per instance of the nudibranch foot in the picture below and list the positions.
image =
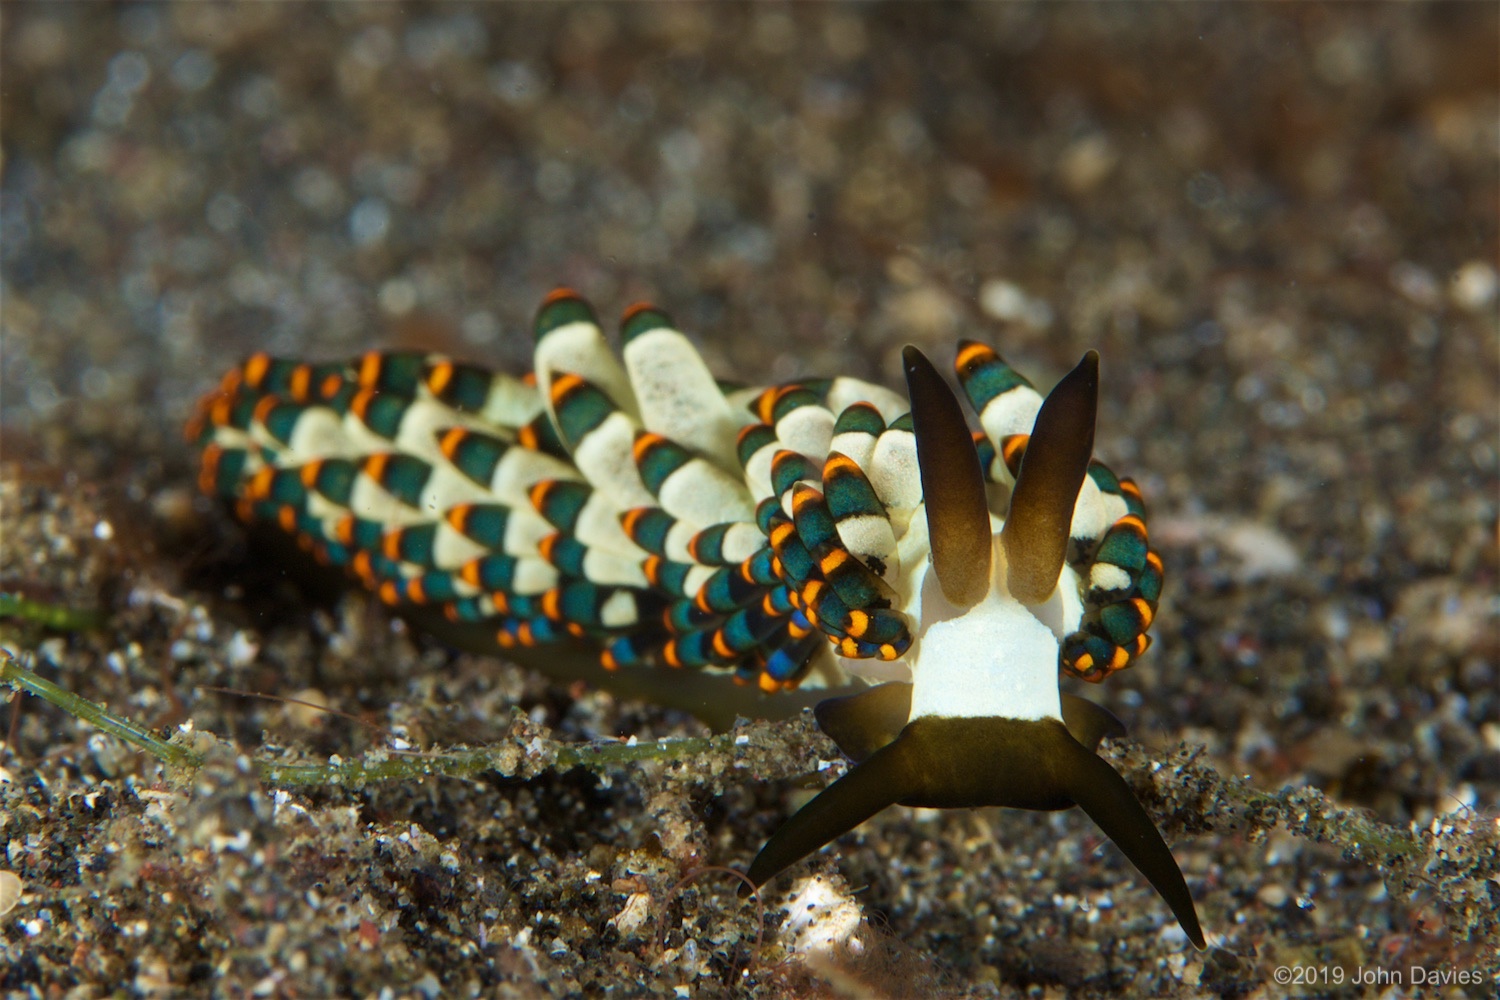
(863, 722)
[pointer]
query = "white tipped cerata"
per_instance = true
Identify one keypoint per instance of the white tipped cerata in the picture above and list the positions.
(524, 510)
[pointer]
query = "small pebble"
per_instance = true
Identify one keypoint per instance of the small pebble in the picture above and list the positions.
(1272, 895)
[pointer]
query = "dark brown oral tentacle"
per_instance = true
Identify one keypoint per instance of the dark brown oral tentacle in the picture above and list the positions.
(958, 513)
(869, 787)
(1052, 471)
(1103, 794)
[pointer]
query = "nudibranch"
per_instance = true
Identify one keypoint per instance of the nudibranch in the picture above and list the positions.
(630, 520)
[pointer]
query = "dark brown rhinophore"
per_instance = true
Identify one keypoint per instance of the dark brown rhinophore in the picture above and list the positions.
(1041, 506)
(958, 514)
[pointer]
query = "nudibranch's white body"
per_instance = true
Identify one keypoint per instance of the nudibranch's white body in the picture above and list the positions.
(997, 659)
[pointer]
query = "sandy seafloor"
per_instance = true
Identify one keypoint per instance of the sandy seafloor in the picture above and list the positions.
(1276, 223)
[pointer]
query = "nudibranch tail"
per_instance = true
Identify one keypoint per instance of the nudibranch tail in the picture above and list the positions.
(958, 511)
(1046, 491)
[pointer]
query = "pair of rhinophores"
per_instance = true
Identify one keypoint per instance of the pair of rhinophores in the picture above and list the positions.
(741, 550)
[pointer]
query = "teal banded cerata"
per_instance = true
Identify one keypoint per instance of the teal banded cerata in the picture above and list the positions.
(630, 520)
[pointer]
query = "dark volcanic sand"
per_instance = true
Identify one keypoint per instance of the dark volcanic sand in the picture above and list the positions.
(1276, 223)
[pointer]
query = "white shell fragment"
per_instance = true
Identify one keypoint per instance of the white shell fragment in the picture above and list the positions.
(10, 891)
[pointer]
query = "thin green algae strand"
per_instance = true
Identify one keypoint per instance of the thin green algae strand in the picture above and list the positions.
(536, 756)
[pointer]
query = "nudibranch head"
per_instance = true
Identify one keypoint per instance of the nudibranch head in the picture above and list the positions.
(985, 723)
(990, 633)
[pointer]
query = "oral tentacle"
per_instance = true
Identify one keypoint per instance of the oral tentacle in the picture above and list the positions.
(883, 779)
(1107, 799)
(952, 763)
